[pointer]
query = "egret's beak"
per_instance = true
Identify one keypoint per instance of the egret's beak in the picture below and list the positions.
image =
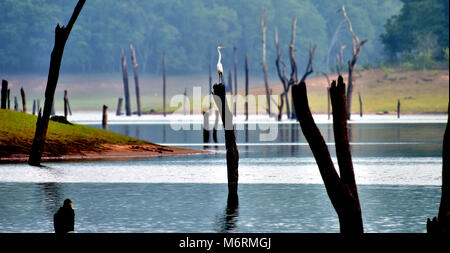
(221, 47)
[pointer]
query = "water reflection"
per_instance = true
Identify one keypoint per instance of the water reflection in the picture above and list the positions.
(228, 221)
(51, 197)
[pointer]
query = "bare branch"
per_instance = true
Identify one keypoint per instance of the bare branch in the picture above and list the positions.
(309, 67)
(293, 78)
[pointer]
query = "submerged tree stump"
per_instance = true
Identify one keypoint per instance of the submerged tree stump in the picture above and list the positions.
(66, 105)
(216, 125)
(341, 189)
(230, 141)
(125, 85)
(206, 127)
(34, 106)
(16, 105)
(136, 79)
(61, 36)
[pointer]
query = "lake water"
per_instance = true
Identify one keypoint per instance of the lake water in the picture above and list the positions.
(398, 170)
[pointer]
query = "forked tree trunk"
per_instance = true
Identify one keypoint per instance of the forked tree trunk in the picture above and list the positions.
(230, 141)
(61, 36)
(341, 189)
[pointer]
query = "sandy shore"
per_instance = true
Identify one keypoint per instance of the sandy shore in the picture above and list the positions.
(110, 152)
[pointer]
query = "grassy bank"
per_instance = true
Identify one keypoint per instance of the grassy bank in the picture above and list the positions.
(17, 132)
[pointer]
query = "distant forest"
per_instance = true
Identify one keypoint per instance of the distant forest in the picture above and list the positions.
(189, 32)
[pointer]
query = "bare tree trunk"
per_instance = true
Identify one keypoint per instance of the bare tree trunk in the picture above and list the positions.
(119, 107)
(34, 106)
(398, 108)
(9, 98)
(16, 105)
(356, 50)
(38, 105)
(235, 78)
(136, 79)
(341, 190)
(216, 125)
(230, 84)
(125, 84)
(184, 101)
(441, 225)
(24, 100)
(205, 126)
(230, 140)
(61, 36)
(4, 94)
(105, 117)
(66, 105)
(264, 66)
(283, 78)
(52, 113)
(246, 87)
(164, 83)
(360, 105)
(328, 102)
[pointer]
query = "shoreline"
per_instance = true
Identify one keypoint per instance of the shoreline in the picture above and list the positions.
(111, 152)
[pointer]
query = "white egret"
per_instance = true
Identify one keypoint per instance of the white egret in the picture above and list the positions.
(219, 64)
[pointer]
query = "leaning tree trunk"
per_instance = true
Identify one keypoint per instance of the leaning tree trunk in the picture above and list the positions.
(230, 140)
(61, 36)
(341, 189)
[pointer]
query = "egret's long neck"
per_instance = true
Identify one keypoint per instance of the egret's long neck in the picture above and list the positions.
(220, 55)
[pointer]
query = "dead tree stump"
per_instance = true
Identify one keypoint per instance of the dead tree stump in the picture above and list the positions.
(246, 87)
(34, 106)
(216, 125)
(164, 83)
(360, 105)
(136, 79)
(125, 85)
(105, 117)
(16, 105)
(341, 189)
(440, 225)
(9, 98)
(206, 127)
(61, 36)
(230, 141)
(398, 108)
(4, 94)
(24, 100)
(66, 105)
(119, 107)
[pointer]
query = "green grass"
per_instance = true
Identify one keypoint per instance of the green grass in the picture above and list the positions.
(17, 132)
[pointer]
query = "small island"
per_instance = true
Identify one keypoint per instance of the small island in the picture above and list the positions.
(73, 142)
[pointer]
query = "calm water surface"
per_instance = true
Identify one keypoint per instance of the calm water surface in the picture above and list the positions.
(397, 167)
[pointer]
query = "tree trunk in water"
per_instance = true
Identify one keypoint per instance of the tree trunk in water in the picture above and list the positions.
(341, 190)
(24, 100)
(125, 85)
(441, 225)
(61, 36)
(360, 105)
(206, 127)
(136, 79)
(246, 87)
(210, 88)
(230, 140)
(216, 125)
(235, 79)
(4, 94)
(164, 83)
(398, 108)
(105, 117)
(119, 107)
